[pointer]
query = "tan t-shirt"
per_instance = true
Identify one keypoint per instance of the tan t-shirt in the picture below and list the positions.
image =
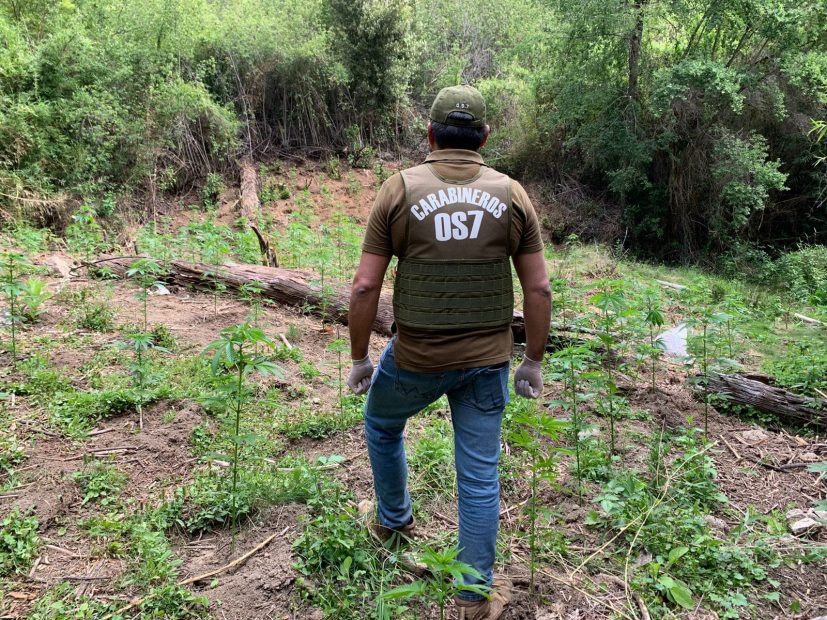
(434, 351)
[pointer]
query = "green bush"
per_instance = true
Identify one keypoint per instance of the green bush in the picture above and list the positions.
(19, 543)
(804, 273)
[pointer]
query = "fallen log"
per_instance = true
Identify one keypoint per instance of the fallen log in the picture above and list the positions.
(295, 288)
(791, 408)
(285, 286)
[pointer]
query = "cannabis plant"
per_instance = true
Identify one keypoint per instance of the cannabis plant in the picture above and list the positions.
(233, 359)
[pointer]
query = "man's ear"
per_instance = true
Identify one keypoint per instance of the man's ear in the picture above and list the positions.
(485, 137)
(431, 139)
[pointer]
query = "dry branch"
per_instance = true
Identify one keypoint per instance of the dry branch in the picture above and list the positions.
(791, 408)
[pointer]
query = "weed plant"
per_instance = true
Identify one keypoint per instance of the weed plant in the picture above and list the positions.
(443, 580)
(19, 543)
(534, 433)
(12, 266)
(90, 312)
(653, 321)
(569, 364)
(100, 482)
(612, 304)
(339, 346)
(34, 294)
(85, 235)
(233, 355)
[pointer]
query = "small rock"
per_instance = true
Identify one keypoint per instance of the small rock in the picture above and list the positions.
(58, 266)
(803, 525)
(753, 437)
(316, 401)
(160, 289)
(795, 513)
(810, 457)
(715, 523)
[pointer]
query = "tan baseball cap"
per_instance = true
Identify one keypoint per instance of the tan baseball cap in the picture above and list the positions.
(459, 99)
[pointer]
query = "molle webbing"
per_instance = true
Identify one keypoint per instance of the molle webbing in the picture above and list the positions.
(453, 295)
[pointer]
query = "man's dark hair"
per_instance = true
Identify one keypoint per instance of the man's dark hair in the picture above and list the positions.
(455, 137)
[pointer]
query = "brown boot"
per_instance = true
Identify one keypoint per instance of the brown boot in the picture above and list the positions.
(367, 513)
(487, 609)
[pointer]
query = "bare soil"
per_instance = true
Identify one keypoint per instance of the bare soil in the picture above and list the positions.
(158, 458)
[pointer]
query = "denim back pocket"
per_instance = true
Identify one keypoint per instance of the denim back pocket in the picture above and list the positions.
(491, 388)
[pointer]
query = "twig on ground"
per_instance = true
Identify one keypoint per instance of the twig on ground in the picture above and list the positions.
(101, 431)
(35, 565)
(237, 562)
(644, 611)
(71, 554)
(731, 449)
(447, 520)
(510, 508)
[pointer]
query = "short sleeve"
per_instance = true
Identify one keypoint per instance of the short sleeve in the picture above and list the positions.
(378, 234)
(527, 238)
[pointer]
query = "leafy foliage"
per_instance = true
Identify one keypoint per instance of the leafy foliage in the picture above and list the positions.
(19, 543)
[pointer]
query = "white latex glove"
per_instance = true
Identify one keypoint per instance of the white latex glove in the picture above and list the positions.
(360, 375)
(528, 380)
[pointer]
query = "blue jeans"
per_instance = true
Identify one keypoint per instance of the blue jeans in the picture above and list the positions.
(477, 397)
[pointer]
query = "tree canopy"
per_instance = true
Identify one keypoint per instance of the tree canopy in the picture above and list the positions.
(683, 126)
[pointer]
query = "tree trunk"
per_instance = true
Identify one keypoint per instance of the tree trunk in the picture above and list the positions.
(791, 408)
(635, 41)
(250, 204)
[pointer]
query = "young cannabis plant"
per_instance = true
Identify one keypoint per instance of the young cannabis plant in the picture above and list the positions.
(12, 266)
(251, 292)
(707, 321)
(653, 320)
(233, 359)
(536, 429)
(571, 362)
(140, 344)
(443, 581)
(85, 234)
(147, 272)
(339, 347)
(34, 294)
(612, 304)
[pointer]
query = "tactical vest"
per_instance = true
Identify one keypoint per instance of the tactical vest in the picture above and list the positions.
(454, 270)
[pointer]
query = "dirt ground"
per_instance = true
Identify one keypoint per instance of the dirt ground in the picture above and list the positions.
(750, 462)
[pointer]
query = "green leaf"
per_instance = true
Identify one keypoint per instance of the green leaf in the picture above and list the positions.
(681, 595)
(676, 554)
(818, 467)
(405, 591)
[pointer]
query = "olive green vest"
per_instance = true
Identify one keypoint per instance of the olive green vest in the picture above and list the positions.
(454, 270)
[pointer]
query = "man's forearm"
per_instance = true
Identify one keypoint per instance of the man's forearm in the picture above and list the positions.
(362, 312)
(537, 313)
